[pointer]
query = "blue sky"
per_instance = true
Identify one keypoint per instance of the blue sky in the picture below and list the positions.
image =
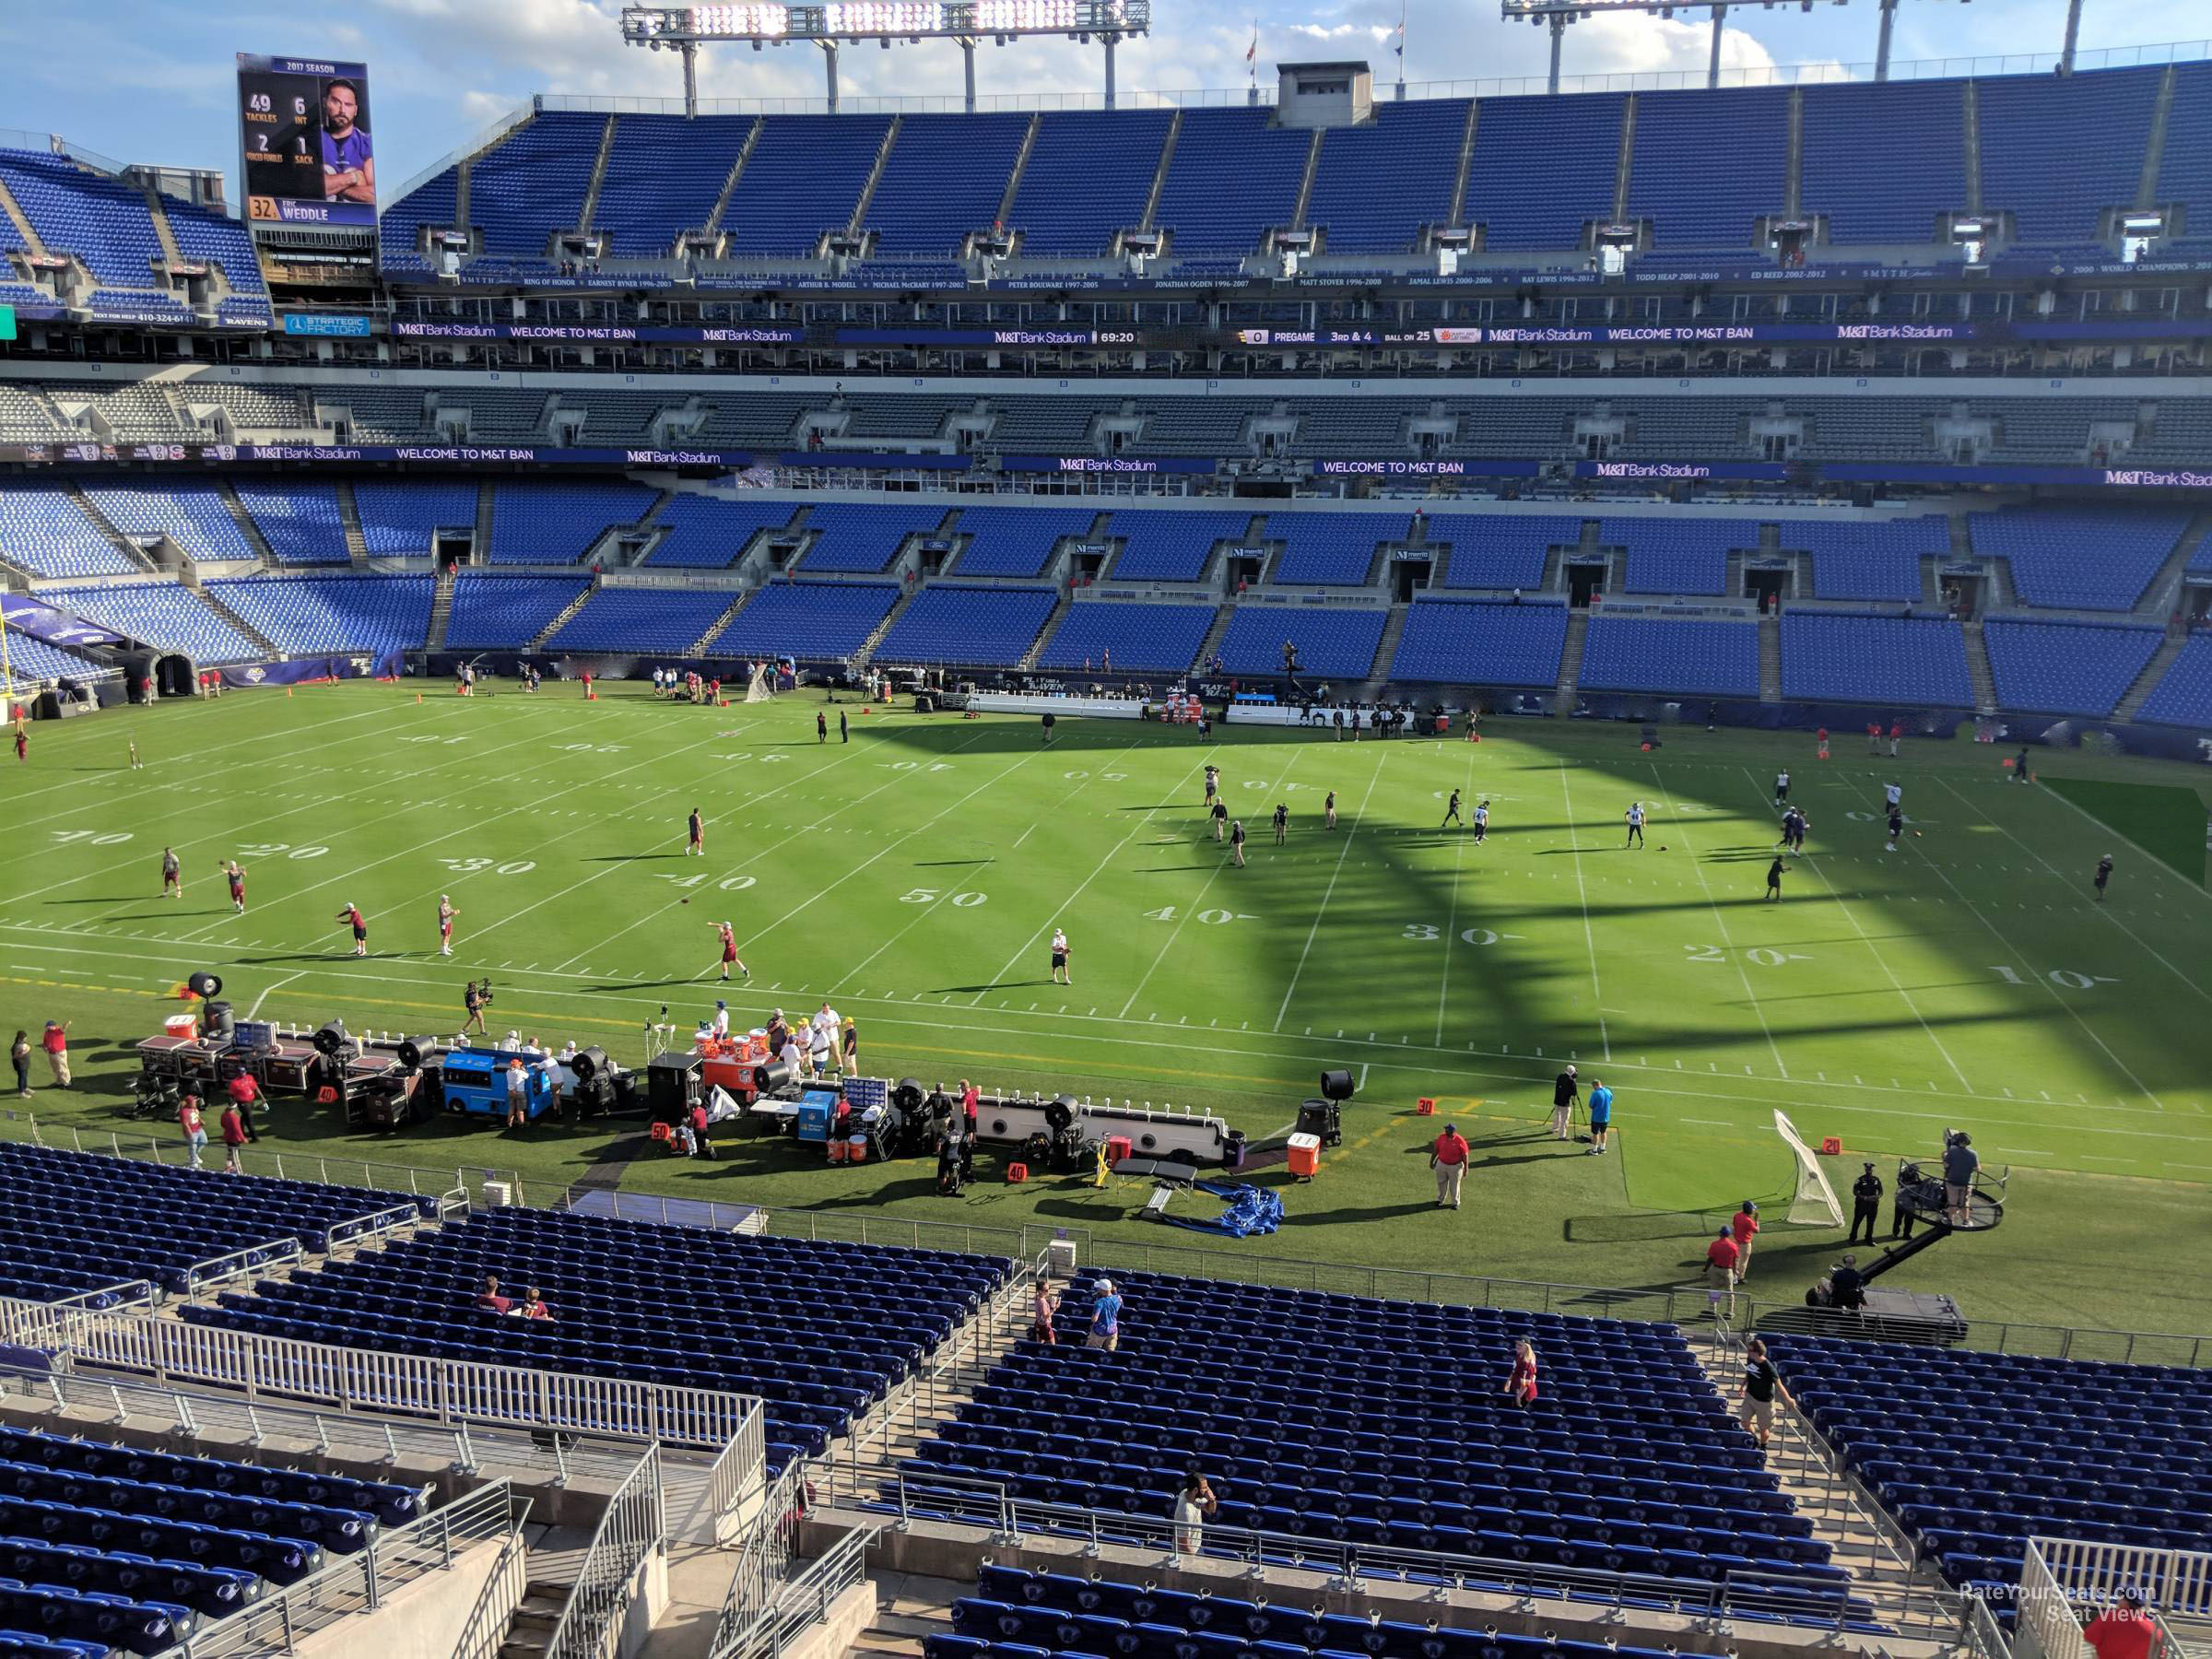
(149, 80)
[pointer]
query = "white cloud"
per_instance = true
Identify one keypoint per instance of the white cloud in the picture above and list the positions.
(1632, 43)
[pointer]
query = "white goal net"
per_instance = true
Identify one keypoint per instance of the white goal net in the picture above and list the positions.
(755, 688)
(1814, 1202)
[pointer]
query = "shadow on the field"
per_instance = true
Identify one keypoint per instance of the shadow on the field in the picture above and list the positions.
(629, 858)
(1012, 984)
(1643, 1227)
(98, 898)
(1370, 1212)
(934, 864)
(653, 984)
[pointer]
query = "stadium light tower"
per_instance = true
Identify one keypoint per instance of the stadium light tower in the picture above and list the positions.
(684, 28)
(1558, 14)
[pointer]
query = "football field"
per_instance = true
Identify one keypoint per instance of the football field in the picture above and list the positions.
(913, 876)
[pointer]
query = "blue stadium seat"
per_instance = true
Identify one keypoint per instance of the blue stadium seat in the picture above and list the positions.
(1884, 161)
(712, 532)
(804, 178)
(1381, 183)
(1701, 657)
(2066, 667)
(809, 622)
(1088, 175)
(555, 521)
(530, 185)
(1331, 549)
(862, 539)
(1836, 655)
(44, 529)
(1150, 639)
(1499, 549)
(1171, 547)
(2057, 153)
(980, 626)
(191, 513)
(1234, 174)
(1544, 167)
(944, 179)
(649, 619)
(1016, 541)
(162, 614)
(2183, 694)
(2080, 558)
(1472, 642)
(505, 613)
(301, 523)
(1332, 644)
(1677, 555)
(303, 615)
(1868, 558)
(402, 520)
(1673, 180)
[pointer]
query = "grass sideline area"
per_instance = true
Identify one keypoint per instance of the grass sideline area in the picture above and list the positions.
(913, 876)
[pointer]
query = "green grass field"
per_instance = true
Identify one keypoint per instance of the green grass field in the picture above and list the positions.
(914, 874)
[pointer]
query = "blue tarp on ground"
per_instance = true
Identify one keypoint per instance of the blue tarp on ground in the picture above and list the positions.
(1252, 1210)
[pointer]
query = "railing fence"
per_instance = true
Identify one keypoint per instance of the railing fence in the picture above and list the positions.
(633, 1527)
(800, 1605)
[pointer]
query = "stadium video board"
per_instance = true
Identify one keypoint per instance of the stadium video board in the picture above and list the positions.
(304, 135)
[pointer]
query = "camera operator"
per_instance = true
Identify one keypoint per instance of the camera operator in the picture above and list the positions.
(475, 996)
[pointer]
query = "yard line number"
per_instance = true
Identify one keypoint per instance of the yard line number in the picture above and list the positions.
(2058, 976)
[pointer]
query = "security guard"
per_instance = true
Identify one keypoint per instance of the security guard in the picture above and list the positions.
(1865, 1205)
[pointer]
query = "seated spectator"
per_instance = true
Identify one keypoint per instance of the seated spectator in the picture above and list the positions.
(534, 1305)
(489, 1298)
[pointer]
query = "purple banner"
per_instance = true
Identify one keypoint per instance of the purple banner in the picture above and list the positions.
(434, 454)
(306, 670)
(43, 622)
(1427, 469)
(1662, 471)
(2111, 477)
(606, 333)
(1107, 466)
(874, 461)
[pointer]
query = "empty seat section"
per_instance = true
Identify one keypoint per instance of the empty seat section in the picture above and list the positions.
(810, 622)
(1332, 644)
(804, 178)
(1379, 183)
(431, 205)
(1330, 550)
(75, 210)
(1648, 653)
(1234, 174)
(1543, 168)
(2057, 151)
(1171, 547)
(710, 533)
(58, 1210)
(984, 628)
(1153, 638)
(2066, 667)
(32, 659)
(1016, 541)
(750, 1321)
(192, 515)
(2183, 694)
(1976, 1452)
(1884, 161)
(1475, 642)
(2185, 161)
(1673, 180)
(505, 613)
(162, 615)
(214, 240)
(1498, 550)
(864, 539)
(654, 619)
(301, 523)
(1883, 660)
(553, 523)
(45, 531)
(402, 521)
(1678, 556)
(1868, 558)
(2080, 558)
(663, 176)
(1088, 176)
(944, 179)
(529, 186)
(1661, 1479)
(306, 614)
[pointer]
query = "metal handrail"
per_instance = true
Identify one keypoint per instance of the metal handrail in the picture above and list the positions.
(765, 1556)
(448, 1391)
(357, 1583)
(633, 1527)
(127, 1293)
(800, 1605)
(381, 1224)
(484, 1631)
(1998, 1337)
(239, 1264)
(1923, 1610)
(380, 1439)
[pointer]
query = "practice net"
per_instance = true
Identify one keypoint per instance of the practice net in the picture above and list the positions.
(1814, 1202)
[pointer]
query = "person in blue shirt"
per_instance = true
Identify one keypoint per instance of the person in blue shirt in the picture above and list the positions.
(348, 156)
(1601, 1117)
(1105, 1317)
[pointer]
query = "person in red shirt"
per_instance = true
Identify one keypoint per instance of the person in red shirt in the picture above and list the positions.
(1521, 1385)
(2124, 1630)
(1874, 736)
(234, 1135)
(972, 1104)
(490, 1299)
(56, 1044)
(194, 1127)
(1720, 1257)
(1822, 736)
(1896, 735)
(351, 915)
(698, 1131)
(236, 875)
(1743, 1226)
(1448, 1158)
(244, 1092)
(22, 745)
(534, 1305)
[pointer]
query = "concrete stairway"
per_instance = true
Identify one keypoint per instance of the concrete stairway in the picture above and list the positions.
(115, 538)
(598, 179)
(480, 549)
(728, 614)
(1770, 659)
(1215, 634)
(1570, 662)
(1386, 649)
(1978, 674)
(551, 1564)
(441, 611)
(867, 653)
(909, 1606)
(262, 642)
(567, 611)
(1863, 1541)
(1061, 607)
(349, 519)
(249, 529)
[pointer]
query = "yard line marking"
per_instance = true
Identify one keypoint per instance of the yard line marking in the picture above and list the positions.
(1974, 911)
(340, 971)
(1022, 837)
(1113, 852)
(1459, 848)
(1708, 1122)
(254, 1012)
(2151, 859)
(2105, 910)
(1321, 908)
(1175, 931)
(1721, 922)
(1888, 973)
(1598, 994)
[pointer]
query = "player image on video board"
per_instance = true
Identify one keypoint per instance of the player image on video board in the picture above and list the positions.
(310, 158)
